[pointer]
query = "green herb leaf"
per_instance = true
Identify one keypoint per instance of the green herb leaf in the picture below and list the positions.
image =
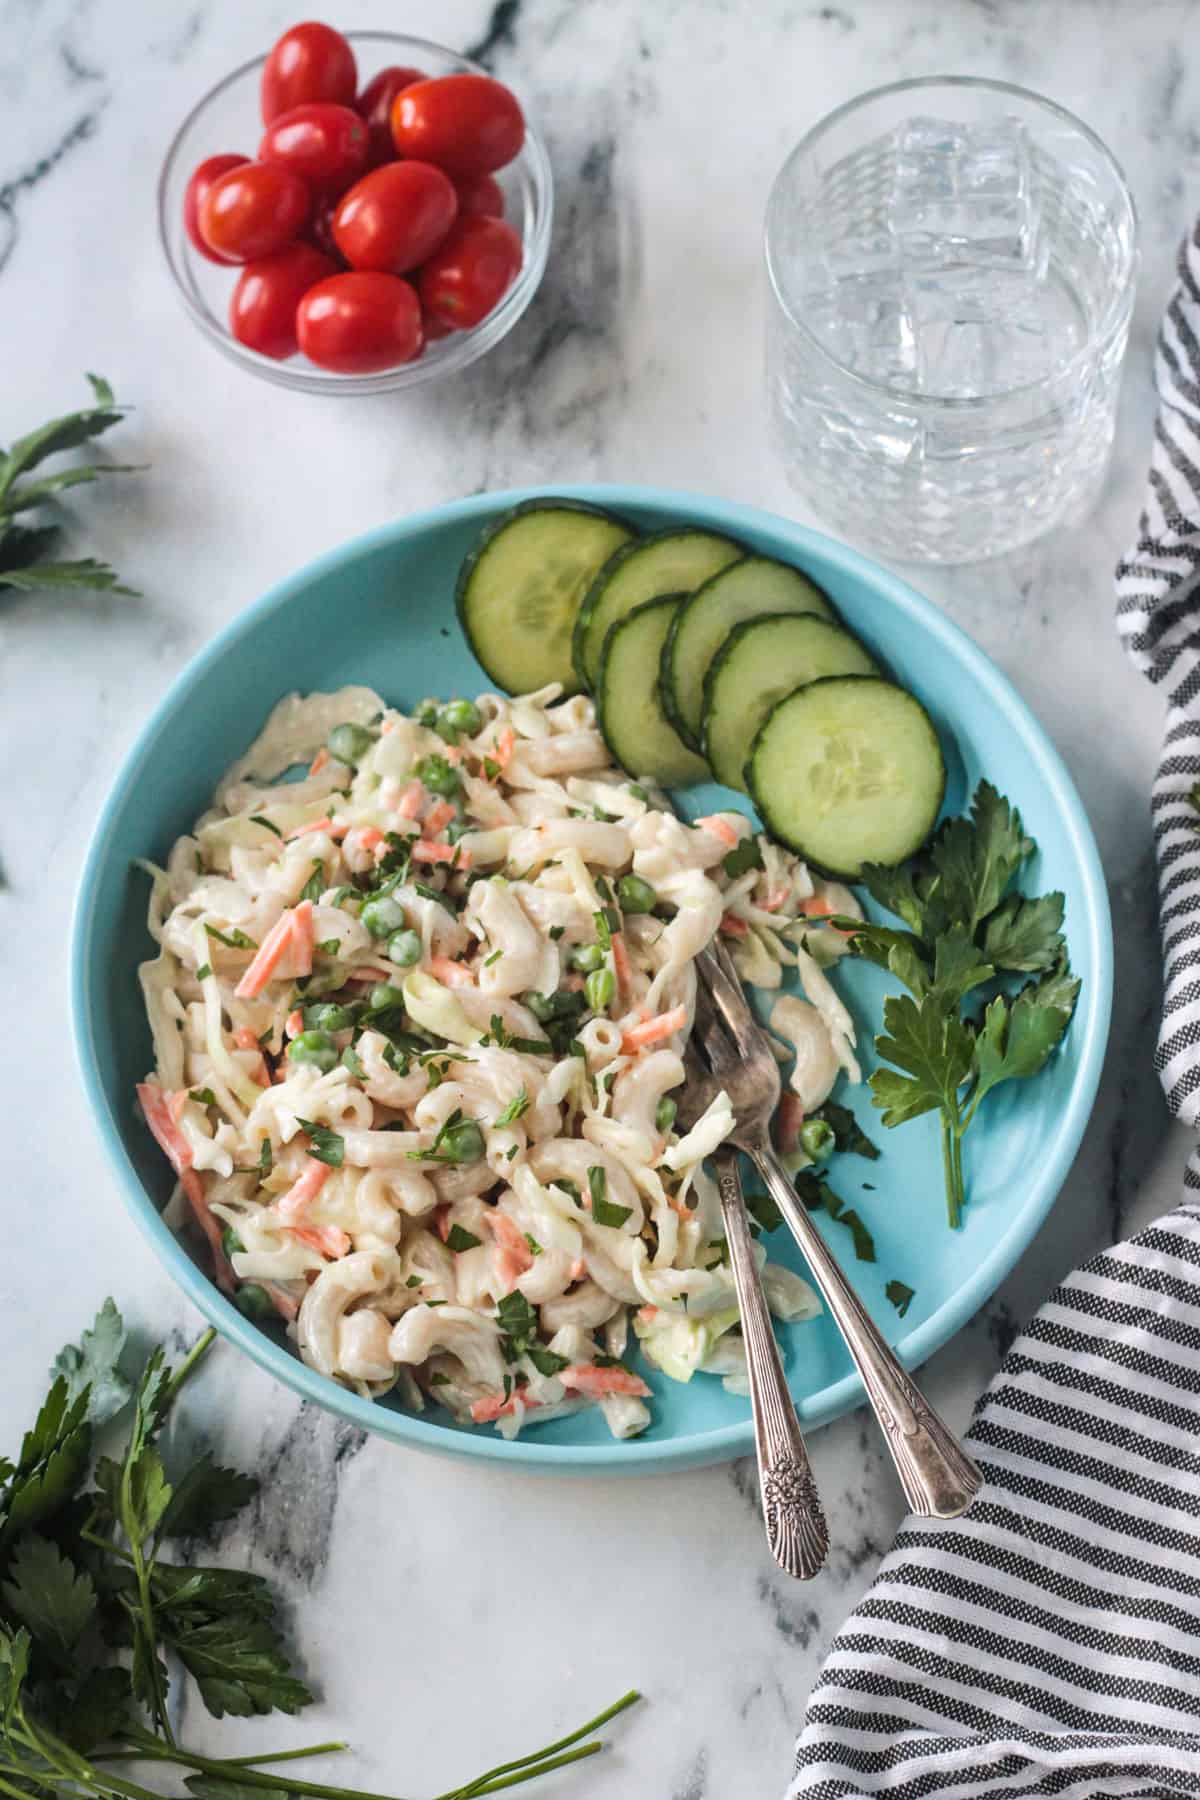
(1025, 934)
(205, 1496)
(459, 1238)
(53, 1460)
(314, 887)
(203, 1096)
(546, 1362)
(744, 856)
(517, 1107)
(535, 1249)
(1016, 1040)
(900, 1295)
(935, 1049)
(233, 939)
(257, 819)
(93, 1366)
(51, 1597)
(203, 972)
(325, 1145)
(848, 1134)
(763, 1211)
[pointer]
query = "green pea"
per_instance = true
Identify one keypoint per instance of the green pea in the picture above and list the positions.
(817, 1139)
(636, 895)
(382, 915)
(462, 715)
(404, 948)
(664, 1113)
(254, 1301)
(600, 987)
(231, 1243)
(315, 1049)
(384, 996)
(425, 711)
(462, 1143)
(439, 776)
(540, 1005)
(586, 957)
(327, 1015)
(350, 743)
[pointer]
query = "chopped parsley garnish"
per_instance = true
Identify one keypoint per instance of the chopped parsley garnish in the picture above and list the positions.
(342, 894)
(437, 1379)
(763, 1211)
(352, 1061)
(746, 855)
(604, 1211)
(556, 932)
(546, 1362)
(203, 972)
(900, 1295)
(203, 1096)
(516, 1108)
(414, 1281)
(329, 946)
(432, 893)
(314, 887)
(257, 819)
(233, 939)
(266, 1159)
(817, 1193)
(847, 1133)
(491, 768)
(325, 1145)
(535, 1249)
(493, 958)
(607, 921)
(459, 1238)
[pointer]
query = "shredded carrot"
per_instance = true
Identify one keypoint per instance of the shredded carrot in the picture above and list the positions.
(411, 800)
(441, 1220)
(370, 837)
(369, 974)
(156, 1111)
(424, 851)
(304, 1189)
(327, 1240)
(653, 1031)
(720, 827)
(586, 1378)
(788, 1120)
(331, 826)
(318, 762)
(495, 1406)
(294, 1023)
(775, 900)
(304, 937)
(622, 967)
(269, 953)
(512, 1254)
(388, 725)
(506, 743)
(245, 1039)
(450, 973)
(578, 1269)
(732, 926)
(438, 817)
(818, 907)
(647, 1314)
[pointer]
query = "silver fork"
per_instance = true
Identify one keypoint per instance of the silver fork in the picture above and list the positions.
(938, 1477)
(792, 1512)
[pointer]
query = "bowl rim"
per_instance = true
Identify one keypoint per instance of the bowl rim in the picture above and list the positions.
(451, 354)
(634, 1456)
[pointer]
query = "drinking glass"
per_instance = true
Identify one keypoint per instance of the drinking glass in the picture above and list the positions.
(952, 266)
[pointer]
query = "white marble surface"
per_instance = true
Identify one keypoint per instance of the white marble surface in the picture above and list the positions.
(448, 1614)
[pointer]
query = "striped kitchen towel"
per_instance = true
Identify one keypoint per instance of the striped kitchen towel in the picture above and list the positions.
(1049, 1642)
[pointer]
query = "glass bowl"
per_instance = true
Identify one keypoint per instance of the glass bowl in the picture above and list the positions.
(228, 119)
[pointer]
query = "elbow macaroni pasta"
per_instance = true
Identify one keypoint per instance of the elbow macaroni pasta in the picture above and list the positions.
(414, 1061)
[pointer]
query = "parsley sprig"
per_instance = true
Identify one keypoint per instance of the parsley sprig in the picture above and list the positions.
(23, 547)
(96, 1624)
(966, 933)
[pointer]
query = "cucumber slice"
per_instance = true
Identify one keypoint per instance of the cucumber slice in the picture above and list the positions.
(848, 771)
(764, 659)
(520, 589)
(744, 590)
(669, 562)
(628, 709)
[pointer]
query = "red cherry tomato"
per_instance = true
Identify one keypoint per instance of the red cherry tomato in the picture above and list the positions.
(253, 211)
(202, 178)
(462, 281)
(360, 322)
(434, 329)
(262, 312)
(466, 124)
(395, 217)
(375, 105)
(320, 232)
(310, 62)
(325, 145)
(482, 197)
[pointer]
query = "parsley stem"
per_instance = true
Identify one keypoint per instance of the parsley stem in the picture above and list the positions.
(198, 1349)
(521, 1762)
(248, 1776)
(948, 1173)
(529, 1772)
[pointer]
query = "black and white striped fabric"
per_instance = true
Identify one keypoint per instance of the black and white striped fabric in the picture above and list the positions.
(1049, 1643)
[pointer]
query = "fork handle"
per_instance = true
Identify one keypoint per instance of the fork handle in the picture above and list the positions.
(938, 1477)
(792, 1514)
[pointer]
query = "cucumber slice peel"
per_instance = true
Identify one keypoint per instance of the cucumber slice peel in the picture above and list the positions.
(665, 562)
(848, 771)
(521, 588)
(628, 706)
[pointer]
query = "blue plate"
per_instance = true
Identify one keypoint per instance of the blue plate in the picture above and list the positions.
(380, 611)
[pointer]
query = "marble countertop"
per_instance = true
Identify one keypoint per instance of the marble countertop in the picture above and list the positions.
(640, 360)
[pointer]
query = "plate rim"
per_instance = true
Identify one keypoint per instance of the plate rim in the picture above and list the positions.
(633, 1456)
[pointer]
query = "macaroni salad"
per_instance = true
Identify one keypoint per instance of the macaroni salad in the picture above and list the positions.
(418, 1018)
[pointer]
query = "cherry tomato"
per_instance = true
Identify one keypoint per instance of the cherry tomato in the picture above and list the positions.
(375, 105)
(310, 62)
(435, 329)
(395, 217)
(320, 232)
(466, 124)
(252, 211)
(462, 281)
(202, 178)
(326, 145)
(360, 322)
(262, 312)
(481, 197)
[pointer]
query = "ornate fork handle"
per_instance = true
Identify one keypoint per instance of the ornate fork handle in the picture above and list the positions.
(938, 1477)
(796, 1529)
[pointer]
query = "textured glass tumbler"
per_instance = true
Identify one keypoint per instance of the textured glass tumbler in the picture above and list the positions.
(951, 266)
